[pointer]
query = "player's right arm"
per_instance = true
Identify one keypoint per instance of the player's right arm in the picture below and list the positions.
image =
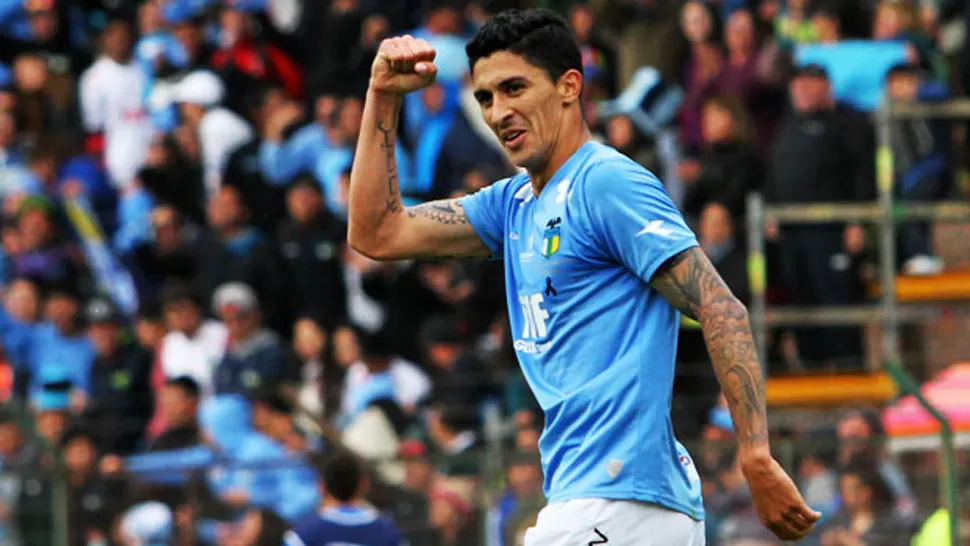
(379, 225)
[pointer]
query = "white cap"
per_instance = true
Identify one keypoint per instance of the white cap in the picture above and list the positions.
(148, 523)
(200, 87)
(234, 294)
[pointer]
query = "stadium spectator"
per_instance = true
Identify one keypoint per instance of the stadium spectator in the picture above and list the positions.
(233, 250)
(311, 240)
(833, 147)
(867, 517)
(344, 517)
(179, 404)
(119, 385)
(729, 167)
(922, 167)
(380, 373)
(111, 93)
(254, 357)
(91, 508)
(193, 346)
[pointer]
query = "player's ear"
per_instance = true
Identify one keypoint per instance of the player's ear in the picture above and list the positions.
(570, 86)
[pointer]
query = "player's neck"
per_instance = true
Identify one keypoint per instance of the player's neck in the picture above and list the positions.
(567, 145)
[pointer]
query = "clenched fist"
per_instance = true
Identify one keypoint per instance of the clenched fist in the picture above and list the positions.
(403, 65)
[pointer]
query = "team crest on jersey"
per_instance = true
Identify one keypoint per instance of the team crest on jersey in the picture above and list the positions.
(551, 237)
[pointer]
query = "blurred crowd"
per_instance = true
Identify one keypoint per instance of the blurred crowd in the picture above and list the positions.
(184, 330)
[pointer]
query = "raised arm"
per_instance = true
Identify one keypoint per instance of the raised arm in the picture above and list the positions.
(692, 285)
(379, 225)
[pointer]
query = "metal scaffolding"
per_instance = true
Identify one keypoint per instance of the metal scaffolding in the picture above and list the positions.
(889, 313)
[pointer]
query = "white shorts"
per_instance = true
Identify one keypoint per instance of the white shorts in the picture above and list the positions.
(591, 522)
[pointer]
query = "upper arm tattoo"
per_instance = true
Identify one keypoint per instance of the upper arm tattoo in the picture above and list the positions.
(691, 284)
(448, 212)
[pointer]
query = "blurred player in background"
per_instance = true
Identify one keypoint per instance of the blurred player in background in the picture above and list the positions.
(598, 264)
(345, 518)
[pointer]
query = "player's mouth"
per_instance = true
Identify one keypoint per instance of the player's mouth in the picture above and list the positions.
(512, 138)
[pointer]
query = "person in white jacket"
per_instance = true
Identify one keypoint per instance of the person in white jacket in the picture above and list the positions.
(111, 93)
(221, 131)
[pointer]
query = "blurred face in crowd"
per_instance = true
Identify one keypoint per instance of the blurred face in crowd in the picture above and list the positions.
(417, 473)
(619, 132)
(61, 309)
(13, 243)
(104, 337)
(149, 18)
(903, 86)
(166, 228)
(444, 20)
(8, 101)
(739, 35)
(183, 316)
(717, 123)
(43, 22)
(190, 36)
(325, 106)
(10, 439)
(79, 454)
(715, 226)
(309, 339)
(226, 209)
(117, 40)
(303, 203)
(581, 21)
(345, 346)
(8, 129)
(855, 437)
(696, 22)
(433, 98)
(524, 107)
(22, 301)
(443, 355)
(351, 114)
(524, 479)
(890, 21)
(527, 439)
(240, 323)
(51, 424)
(826, 27)
(811, 93)
(149, 332)
(178, 406)
(474, 181)
(30, 73)
(855, 493)
(191, 113)
(233, 25)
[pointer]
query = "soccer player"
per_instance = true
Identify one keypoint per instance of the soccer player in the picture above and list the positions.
(345, 518)
(598, 263)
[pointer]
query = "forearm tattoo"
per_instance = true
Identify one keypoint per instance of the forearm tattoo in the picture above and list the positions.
(448, 212)
(692, 285)
(387, 144)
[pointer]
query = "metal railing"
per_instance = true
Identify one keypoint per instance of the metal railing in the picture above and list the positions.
(889, 313)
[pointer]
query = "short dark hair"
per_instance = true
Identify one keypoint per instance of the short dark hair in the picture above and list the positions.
(343, 475)
(869, 475)
(543, 38)
(904, 69)
(186, 384)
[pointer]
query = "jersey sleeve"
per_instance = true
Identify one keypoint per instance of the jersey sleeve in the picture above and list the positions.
(486, 210)
(632, 218)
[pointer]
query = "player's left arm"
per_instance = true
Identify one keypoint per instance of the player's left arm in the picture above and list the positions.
(691, 284)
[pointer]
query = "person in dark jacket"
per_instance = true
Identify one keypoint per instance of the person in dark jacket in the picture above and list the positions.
(120, 400)
(730, 166)
(310, 241)
(91, 508)
(236, 251)
(179, 402)
(824, 152)
(255, 358)
(921, 151)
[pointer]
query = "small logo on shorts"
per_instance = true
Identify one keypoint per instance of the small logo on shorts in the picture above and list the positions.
(601, 540)
(614, 467)
(688, 465)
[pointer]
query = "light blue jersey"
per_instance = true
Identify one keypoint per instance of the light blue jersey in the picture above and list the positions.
(596, 343)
